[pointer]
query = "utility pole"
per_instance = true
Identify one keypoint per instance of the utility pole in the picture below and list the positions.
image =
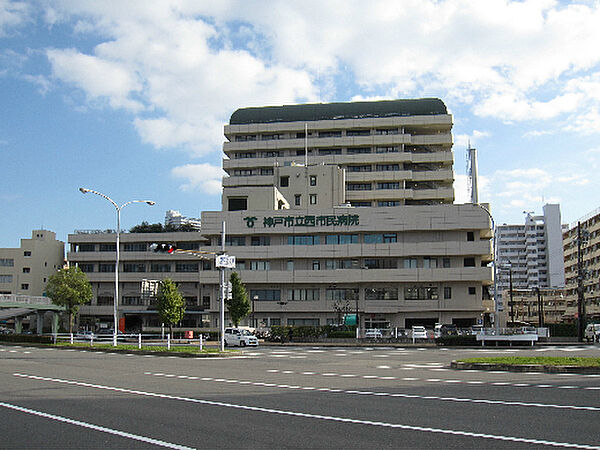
(512, 307)
(580, 277)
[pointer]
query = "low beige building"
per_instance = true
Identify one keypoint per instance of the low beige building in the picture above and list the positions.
(26, 269)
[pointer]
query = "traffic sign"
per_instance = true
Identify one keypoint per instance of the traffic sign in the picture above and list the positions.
(225, 261)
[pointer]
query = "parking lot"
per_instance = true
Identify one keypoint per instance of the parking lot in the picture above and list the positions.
(293, 397)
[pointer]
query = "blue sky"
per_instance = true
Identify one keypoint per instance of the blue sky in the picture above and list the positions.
(130, 98)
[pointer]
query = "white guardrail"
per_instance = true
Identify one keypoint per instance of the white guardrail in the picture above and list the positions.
(139, 339)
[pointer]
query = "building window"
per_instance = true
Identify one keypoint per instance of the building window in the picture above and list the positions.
(316, 265)
(303, 295)
(297, 199)
(27, 253)
(135, 247)
(237, 204)
(381, 294)
(447, 292)
(108, 247)
(386, 150)
(26, 269)
(470, 236)
(330, 134)
(359, 186)
(388, 167)
(257, 241)
(358, 132)
(341, 239)
(134, 267)
(341, 294)
(266, 295)
(304, 240)
(301, 322)
(358, 151)
(106, 267)
(384, 203)
(364, 168)
(86, 267)
(390, 238)
(206, 265)
(284, 181)
(313, 180)
(312, 199)
(24, 286)
(186, 267)
(472, 290)
(6, 278)
(260, 265)
(446, 263)
(133, 300)
(104, 300)
(206, 301)
(421, 293)
(7, 262)
(266, 171)
(470, 262)
(410, 263)
(86, 248)
(290, 265)
(160, 267)
(389, 185)
(429, 263)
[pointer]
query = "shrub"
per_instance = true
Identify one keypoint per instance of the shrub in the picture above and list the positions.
(456, 340)
(29, 338)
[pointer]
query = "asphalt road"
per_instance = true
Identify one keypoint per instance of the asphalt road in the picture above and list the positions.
(292, 397)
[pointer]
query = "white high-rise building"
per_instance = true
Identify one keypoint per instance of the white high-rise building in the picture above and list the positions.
(531, 252)
(175, 219)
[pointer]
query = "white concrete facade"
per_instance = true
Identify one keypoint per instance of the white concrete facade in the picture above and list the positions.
(533, 251)
(368, 224)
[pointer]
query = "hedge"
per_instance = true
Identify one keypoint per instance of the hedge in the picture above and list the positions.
(28, 338)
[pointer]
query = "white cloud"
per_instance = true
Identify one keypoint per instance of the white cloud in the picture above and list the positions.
(99, 78)
(204, 178)
(12, 14)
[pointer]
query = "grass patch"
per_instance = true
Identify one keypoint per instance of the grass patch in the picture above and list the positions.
(195, 350)
(539, 360)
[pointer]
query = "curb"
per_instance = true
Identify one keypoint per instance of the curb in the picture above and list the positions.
(125, 351)
(524, 368)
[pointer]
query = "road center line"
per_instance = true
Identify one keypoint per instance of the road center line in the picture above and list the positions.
(91, 426)
(312, 416)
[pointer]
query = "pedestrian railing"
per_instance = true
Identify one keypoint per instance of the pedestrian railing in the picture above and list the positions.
(131, 339)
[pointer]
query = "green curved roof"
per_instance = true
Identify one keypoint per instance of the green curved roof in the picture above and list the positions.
(349, 110)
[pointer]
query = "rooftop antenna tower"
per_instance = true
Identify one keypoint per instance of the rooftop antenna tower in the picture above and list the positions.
(472, 173)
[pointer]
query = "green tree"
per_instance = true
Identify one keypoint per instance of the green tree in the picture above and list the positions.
(170, 303)
(69, 288)
(239, 304)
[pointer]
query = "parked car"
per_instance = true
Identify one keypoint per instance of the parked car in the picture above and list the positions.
(446, 329)
(85, 335)
(239, 337)
(592, 332)
(419, 332)
(373, 333)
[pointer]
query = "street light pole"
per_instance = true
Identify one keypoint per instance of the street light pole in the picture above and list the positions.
(496, 305)
(118, 232)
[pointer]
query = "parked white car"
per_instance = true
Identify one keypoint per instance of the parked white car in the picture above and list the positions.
(239, 337)
(373, 333)
(419, 332)
(592, 332)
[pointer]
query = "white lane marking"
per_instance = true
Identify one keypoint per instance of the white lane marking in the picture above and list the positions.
(91, 426)
(388, 394)
(437, 380)
(290, 413)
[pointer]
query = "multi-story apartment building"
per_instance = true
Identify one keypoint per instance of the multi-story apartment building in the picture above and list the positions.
(328, 208)
(387, 153)
(587, 230)
(25, 270)
(531, 254)
(175, 219)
